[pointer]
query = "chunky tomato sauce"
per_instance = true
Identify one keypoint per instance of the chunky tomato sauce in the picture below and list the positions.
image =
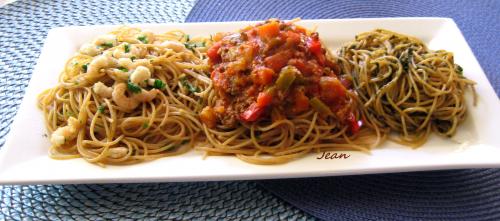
(274, 67)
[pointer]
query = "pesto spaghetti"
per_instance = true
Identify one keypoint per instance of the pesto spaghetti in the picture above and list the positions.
(405, 87)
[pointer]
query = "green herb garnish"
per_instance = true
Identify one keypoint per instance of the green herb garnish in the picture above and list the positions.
(187, 37)
(133, 58)
(126, 48)
(107, 45)
(133, 87)
(145, 125)
(85, 67)
(70, 113)
(192, 45)
(460, 70)
(406, 60)
(158, 84)
(101, 109)
(188, 85)
(143, 39)
(124, 69)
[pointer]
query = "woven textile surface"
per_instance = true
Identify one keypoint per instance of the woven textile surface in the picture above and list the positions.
(23, 28)
(442, 195)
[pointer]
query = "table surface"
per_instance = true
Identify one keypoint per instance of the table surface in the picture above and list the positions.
(24, 25)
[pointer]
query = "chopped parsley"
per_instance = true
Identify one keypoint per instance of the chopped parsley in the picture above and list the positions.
(70, 113)
(187, 37)
(188, 85)
(133, 87)
(85, 67)
(145, 125)
(143, 39)
(460, 70)
(126, 48)
(101, 109)
(192, 45)
(158, 84)
(133, 58)
(124, 69)
(406, 59)
(107, 45)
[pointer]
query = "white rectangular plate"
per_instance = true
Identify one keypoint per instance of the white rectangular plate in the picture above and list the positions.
(24, 158)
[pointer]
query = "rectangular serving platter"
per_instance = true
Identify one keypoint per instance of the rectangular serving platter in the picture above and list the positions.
(24, 157)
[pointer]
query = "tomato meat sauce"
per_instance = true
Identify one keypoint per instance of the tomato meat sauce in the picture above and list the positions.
(277, 67)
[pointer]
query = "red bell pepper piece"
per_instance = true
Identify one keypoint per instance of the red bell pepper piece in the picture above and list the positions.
(213, 53)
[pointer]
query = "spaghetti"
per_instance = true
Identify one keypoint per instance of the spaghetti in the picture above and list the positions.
(405, 86)
(278, 96)
(129, 96)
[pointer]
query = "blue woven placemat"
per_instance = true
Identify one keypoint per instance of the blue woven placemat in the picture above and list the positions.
(442, 195)
(23, 28)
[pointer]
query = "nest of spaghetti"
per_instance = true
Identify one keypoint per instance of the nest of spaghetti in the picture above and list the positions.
(127, 97)
(277, 95)
(405, 87)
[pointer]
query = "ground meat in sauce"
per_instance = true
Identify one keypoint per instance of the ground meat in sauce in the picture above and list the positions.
(275, 65)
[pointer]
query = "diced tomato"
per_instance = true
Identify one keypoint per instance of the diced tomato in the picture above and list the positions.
(264, 99)
(354, 124)
(301, 102)
(314, 46)
(213, 53)
(252, 113)
(331, 89)
(278, 60)
(292, 38)
(263, 76)
(218, 79)
(269, 30)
